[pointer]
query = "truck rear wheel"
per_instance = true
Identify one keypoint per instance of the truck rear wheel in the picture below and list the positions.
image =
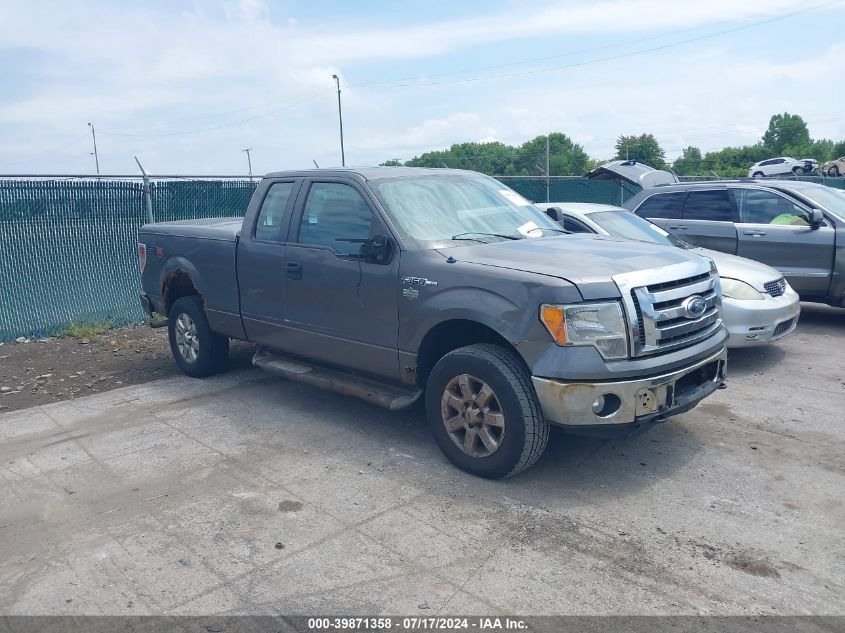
(196, 348)
(484, 413)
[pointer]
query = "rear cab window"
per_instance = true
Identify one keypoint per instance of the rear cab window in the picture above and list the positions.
(268, 226)
(662, 205)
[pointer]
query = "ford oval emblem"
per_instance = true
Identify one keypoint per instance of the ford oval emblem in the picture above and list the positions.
(694, 306)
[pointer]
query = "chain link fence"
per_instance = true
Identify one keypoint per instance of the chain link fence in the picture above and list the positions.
(68, 248)
(68, 244)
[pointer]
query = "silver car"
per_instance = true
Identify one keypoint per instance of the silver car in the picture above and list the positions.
(758, 304)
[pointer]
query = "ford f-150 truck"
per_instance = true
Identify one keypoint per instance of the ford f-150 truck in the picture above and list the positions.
(392, 284)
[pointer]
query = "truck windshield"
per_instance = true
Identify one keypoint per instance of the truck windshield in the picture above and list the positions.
(626, 225)
(443, 208)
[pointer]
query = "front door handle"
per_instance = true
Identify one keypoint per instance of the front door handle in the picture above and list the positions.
(293, 270)
(678, 227)
(755, 233)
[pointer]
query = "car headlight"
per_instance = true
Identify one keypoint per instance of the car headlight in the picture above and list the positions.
(600, 325)
(736, 289)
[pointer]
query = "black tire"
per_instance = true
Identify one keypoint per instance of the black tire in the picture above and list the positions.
(797, 171)
(833, 172)
(757, 174)
(211, 350)
(525, 432)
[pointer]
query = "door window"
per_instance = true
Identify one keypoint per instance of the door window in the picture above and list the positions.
(573, 226)
(336, 216)
(757, 206)
(712, 204)
(662, 205)
(269, 224)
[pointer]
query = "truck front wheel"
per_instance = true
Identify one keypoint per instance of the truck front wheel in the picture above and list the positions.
(484, 413)
(197, 350)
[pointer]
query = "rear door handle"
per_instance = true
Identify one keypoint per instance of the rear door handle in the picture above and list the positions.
(678, 227)
(293, 270)
(755, 233)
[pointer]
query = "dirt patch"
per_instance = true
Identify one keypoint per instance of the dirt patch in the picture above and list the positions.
(754, 563)
(63, 368)
(288, 505)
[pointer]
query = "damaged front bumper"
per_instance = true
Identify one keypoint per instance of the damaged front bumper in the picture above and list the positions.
(603, 404)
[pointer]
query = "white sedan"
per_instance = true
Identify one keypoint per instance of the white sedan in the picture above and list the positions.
(758, 305)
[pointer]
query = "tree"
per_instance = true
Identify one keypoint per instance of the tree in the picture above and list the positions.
(688, 163)
(393, 162)
(643, 149)
(787, 132)
(566, 158)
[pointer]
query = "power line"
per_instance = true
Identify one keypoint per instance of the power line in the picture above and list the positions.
(49, 154)
(222, 125)
(602, 59)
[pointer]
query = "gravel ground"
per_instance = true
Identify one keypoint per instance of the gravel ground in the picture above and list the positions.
(46, 370)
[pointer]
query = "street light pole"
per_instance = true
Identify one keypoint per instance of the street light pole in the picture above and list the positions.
(96, 156)
(248, 160)
(340, 119)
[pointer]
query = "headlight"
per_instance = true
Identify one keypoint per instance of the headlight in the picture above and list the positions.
(736, 289)
(601, 325)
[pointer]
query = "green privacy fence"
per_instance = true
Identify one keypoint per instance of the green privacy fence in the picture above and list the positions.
(68, 245)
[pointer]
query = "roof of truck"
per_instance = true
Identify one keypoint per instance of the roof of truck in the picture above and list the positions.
(371, 173)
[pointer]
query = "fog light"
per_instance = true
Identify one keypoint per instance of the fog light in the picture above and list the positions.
(606, 405)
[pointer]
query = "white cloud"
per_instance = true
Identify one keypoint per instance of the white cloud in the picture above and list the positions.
(146, 68)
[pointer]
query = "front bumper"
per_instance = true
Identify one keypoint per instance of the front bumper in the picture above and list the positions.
(629, 401)
(752, 323)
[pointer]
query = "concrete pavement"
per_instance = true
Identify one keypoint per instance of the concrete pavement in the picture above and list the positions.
(245, 493)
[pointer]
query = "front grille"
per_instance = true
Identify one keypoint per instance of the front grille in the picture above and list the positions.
(776, 288)
(662, 320)
(783, 328)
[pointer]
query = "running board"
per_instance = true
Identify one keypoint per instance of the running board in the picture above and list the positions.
(389, 396)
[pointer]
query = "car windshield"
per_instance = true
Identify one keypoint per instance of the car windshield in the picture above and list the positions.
(825, 197)
(626, 225)
(443, 208)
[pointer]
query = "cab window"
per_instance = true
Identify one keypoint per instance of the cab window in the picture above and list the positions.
(336, 216)
(269, 224)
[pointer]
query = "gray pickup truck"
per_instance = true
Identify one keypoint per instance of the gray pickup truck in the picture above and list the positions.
(392, 284)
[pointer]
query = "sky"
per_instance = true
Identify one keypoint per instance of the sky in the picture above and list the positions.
(187, 85)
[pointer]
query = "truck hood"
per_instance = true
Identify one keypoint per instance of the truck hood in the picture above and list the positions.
(740, 268)
(586, 260)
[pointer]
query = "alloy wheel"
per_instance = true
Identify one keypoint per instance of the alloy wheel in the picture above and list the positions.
(187, 340)
(472, 415)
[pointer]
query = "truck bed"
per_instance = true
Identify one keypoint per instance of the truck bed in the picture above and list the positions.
(226, 229)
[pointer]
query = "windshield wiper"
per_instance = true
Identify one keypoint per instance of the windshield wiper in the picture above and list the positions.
(461, 236)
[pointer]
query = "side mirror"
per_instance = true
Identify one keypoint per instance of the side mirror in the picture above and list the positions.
(377, 250)
(816, 218)
(555, 213)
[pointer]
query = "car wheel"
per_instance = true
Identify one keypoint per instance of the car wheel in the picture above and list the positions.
(757, 174)
(484, 413)
(833, 172)
(797, 171)
(196, 348)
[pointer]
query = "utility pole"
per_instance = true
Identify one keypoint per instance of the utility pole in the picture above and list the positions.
(340, 119)
(548, 181)
(248, 160)
(96, 156)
